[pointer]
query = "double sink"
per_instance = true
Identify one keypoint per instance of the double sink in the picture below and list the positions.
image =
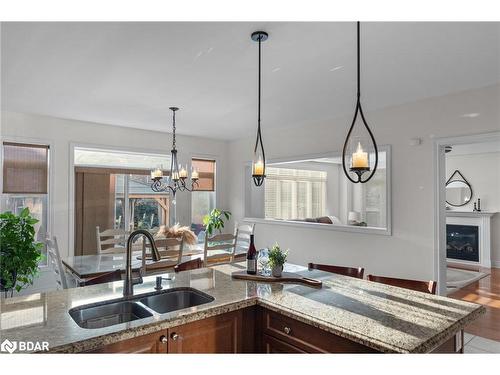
(108, 313)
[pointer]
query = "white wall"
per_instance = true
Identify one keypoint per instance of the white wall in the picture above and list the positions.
(409, 252)
(483, 173)
(62, 132)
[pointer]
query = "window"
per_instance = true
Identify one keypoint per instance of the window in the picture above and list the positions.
(294, 193)
(26, 183)
(113, 191)
(203, 196)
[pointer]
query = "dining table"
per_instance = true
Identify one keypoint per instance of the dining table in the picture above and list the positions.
(84, 267)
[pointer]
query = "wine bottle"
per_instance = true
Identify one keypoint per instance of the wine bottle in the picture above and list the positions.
(251, 258)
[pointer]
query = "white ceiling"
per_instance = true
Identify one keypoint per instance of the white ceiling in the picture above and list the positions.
(128, 74)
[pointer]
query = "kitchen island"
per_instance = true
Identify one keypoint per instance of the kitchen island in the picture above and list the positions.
(345, 315)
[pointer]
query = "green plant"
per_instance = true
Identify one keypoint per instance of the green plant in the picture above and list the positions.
(277, 257)
(215, 220)
(19, 252)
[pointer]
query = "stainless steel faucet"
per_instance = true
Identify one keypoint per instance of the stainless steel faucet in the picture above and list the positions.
(128, 285)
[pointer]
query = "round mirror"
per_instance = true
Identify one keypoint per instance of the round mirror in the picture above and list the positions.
(458, 193)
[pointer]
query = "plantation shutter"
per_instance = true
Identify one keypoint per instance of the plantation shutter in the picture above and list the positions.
(206, 173)
(25, 168)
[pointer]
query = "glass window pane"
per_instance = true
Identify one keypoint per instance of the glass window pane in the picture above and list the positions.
(118, 159)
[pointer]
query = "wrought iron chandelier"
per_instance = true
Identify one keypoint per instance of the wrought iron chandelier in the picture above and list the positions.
(358, 146)
(177, 179)
(259, 156)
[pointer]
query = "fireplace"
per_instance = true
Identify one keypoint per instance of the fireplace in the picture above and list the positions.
(462, 242)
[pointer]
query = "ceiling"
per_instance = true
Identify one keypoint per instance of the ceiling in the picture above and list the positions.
(128, 74)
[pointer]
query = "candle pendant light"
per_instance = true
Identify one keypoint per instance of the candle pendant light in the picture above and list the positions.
(176, 180)
(357, 148)
(259, 157)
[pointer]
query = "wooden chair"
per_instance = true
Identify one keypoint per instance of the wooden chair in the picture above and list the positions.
(419, 286)
(104, 278)
(346, 271)
(243, 239)
(224, 246)
(171, 251)
(54, 260)
(117, 238)
(192, 264)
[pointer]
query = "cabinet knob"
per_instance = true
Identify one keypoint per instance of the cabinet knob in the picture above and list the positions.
(287, 330)
(174, 336)
(163, 339)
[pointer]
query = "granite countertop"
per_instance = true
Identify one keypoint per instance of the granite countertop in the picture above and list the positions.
(386, 318)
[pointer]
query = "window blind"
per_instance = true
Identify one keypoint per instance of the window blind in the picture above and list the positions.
(206, 173)
(25, 168)
(294, 193)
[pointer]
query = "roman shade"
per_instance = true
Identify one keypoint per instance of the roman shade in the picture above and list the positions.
(206, 172)
(25, 168)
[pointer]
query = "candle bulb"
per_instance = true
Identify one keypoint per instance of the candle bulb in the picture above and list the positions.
(156, 173)
(360, 158)
(194, 175)
(183, 173)
(258, 168)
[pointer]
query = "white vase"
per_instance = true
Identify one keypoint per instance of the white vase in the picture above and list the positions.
(277, 271)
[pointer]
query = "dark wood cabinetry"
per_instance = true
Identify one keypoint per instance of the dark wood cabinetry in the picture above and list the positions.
(249, 330)
(282, 334)
(217, 334)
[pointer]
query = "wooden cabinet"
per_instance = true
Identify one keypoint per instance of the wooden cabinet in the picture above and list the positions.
(250, 330)
(151, 343)
(217, 334)
(270, 345)
(283, 334)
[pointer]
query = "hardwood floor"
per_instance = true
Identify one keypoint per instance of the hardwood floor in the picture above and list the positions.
(485, 291)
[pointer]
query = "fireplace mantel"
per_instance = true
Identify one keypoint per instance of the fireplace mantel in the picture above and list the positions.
(469, 213)
(480, 219)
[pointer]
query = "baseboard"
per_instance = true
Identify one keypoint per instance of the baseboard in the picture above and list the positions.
(495, 263)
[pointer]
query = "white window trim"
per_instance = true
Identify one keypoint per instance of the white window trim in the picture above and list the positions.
(333, 227)
(51, 177)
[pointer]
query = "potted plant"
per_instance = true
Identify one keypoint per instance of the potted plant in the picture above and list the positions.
(277, 259)
(215, 220)
(19, 252)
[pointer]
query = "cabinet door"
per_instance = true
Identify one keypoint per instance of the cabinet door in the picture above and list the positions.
(218, 334)
(152, 343)
(275, 346)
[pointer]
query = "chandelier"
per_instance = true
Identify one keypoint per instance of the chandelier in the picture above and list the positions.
(176, 179)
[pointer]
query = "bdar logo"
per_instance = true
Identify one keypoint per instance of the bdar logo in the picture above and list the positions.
(8, 346)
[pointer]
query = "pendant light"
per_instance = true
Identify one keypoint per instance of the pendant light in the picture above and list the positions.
(259, 157)
(176, 181)
(359, 141)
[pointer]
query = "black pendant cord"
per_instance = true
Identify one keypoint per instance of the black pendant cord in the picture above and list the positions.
(360, 110)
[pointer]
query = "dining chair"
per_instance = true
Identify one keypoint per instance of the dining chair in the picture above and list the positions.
(243, 239)
(192, 264)
(171, 251)
(104, 278)
(340, 270)
(117, 238)
(417, 285)
(219, 249)
(54, 260)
